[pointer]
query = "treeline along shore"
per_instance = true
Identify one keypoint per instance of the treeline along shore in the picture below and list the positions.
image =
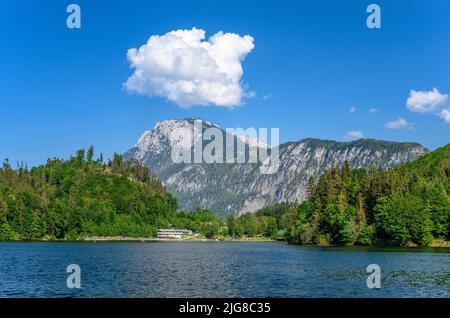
(85, 198)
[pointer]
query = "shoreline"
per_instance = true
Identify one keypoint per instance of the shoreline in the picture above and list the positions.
(93, 239)
(155, 239)
(146, 239)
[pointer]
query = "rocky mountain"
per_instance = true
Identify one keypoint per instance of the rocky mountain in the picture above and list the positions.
(241, 187)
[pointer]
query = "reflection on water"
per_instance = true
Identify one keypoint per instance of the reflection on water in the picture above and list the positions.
(219, 269)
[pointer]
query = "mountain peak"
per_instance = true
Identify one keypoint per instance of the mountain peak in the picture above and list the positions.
(183, 123)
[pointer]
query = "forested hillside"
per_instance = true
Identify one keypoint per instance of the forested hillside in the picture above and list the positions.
(83, 197)
(407, 204)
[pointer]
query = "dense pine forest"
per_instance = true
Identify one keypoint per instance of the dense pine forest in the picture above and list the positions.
(408, 204)
(84, 197)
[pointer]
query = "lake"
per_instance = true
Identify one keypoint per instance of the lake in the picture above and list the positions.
(219, 269)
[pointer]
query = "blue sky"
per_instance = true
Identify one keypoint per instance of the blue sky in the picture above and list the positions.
(62, 89)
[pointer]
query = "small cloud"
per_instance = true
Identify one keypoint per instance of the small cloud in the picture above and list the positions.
(399, 123)
(354, 134)
(352, 109)
(425, 101)
(445, 115)
(250, 94)
(374, 110)
(266, 97)
(188, 69)
(433, 102)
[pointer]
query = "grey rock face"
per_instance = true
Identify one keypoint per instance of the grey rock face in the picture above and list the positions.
(240, 187)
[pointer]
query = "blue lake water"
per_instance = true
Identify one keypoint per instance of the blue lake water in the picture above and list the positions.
(219, 269)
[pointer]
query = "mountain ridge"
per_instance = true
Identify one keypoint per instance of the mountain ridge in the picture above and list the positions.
(239, 188)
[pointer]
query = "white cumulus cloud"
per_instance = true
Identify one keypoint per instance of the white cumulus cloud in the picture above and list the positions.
(188, 70)
(399, 123)
(445, 115)
(425, 101)
(354, 134)
(352, 109)
(373, 110)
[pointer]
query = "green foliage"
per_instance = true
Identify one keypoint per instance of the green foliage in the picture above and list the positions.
(408, 204)
(232, 226)
(367, 235)
(402, 220)
(202, 221)
(268, 222)
(7, 233)
(81, 197)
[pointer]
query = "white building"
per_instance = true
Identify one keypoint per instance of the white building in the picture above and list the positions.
(173, 234)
